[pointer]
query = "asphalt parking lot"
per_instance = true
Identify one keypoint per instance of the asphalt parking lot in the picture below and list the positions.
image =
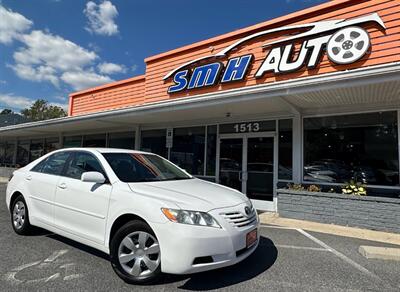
(286, 260)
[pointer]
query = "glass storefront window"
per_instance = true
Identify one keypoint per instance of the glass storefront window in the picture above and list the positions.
(154, 141)
(23, 153)
(363, 147)
(285, 149)
(9, 153)
(51, 144)
(188, 149)
(72, 141)
(36, 149)
(2, 152)
(124, 140)
(211, 150)
(96, 140)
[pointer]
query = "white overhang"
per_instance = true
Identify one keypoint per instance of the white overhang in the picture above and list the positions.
(364, 89)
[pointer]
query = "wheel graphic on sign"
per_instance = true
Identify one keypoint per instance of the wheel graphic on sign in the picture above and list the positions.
(348, 45)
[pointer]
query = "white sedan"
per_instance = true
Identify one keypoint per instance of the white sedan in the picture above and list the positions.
(149, 215)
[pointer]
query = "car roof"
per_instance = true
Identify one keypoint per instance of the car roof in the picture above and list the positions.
(104, 150)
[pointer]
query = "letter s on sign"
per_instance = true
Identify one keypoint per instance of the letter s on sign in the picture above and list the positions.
(180, 80)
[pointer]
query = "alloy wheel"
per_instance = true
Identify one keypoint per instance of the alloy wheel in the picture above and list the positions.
(19, 215)
(139, 254)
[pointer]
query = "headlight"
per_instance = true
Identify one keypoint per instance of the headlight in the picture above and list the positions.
(190, 217)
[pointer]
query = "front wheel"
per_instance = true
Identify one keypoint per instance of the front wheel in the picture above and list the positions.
(135, 253)
(20, 216)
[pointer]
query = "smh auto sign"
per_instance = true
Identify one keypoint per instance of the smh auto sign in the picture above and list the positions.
(344, 41)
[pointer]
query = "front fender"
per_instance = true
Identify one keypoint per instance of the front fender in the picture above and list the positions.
(131, 203)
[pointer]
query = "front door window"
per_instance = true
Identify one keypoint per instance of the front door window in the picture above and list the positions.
(260, 168)
(231, 163)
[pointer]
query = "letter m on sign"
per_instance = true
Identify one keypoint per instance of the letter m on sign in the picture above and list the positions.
(204, 75)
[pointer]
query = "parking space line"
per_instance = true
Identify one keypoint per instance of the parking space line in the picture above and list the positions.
(301, 247)
(277, 227)
(339, 254)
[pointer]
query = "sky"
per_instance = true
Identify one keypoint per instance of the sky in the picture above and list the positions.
(50, 48)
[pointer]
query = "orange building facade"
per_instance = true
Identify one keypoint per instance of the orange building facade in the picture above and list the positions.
(312, 97)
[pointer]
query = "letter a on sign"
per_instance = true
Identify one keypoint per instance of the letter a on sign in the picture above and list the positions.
(271, 63)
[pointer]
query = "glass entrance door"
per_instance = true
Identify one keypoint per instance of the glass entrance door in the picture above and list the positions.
(260, 168)
(231, 163)
(247, 163)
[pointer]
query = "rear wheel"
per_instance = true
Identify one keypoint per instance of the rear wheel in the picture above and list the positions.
(135, 253)
(20, 216)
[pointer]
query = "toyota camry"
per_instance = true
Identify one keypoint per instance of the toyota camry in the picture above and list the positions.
(148, 214)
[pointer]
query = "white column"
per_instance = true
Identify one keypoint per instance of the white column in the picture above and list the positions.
(137, 137)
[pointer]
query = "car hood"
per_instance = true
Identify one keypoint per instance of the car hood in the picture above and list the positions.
(191, 194)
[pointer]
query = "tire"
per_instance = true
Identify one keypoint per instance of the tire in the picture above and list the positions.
(20, 216)
(135, 253)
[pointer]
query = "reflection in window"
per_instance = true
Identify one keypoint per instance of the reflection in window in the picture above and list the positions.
(285, 149)
(9, 153)
(36, 149)
(51, 144)
(188, 149)
(361, 147)
(124, 140)
(154, 141)
(82, 162)
(2, 152)
(72, 141)
(23, 153)
(211, 150)
(97, 140)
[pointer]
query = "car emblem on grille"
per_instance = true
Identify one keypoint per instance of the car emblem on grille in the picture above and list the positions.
(247, 210)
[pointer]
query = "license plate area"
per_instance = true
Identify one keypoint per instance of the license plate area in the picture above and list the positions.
(251, 238)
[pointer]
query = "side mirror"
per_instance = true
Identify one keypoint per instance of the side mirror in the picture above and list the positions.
(93, 177)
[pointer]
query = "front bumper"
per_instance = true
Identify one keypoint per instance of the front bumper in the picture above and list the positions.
(182, 245)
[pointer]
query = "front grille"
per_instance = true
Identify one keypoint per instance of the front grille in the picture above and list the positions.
(238, 219)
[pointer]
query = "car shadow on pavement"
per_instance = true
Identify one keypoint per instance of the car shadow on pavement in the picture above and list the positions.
(261, 260)
(79, 246)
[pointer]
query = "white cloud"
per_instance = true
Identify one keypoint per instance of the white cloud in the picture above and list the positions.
(45, 57)
(14, 102)
(12, 24)
(81, 80)
(61, 105)
(60, 97)
(111, 68)
(101, 18)
(53, 51)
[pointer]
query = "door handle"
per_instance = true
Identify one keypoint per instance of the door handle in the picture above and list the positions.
(62, 186)
(29, 177)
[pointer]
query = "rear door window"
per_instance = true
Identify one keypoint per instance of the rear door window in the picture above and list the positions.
(54, 164)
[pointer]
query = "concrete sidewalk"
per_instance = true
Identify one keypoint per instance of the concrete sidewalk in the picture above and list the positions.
(379, 236)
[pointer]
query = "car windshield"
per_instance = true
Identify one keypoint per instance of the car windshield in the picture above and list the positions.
(138, 167)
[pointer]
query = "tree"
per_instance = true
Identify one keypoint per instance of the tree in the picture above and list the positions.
(6, 111)
(41, 110)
